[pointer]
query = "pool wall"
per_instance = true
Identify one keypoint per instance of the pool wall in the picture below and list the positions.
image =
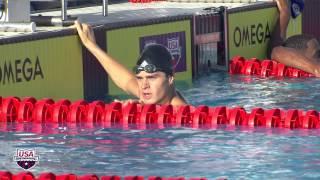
(42, 66)
(54, 64)
(249, 30)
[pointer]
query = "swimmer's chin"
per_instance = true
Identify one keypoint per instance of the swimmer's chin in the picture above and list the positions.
(147, 101)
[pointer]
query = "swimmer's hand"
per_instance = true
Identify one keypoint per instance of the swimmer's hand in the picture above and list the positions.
(129, 101)
(86, 33)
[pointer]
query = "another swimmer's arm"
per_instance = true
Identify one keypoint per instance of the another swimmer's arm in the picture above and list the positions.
(284, 18)
(280, 30)
(293, 58)
(119, 74)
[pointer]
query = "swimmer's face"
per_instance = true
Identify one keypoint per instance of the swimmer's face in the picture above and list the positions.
(154, 88)
(313, 50)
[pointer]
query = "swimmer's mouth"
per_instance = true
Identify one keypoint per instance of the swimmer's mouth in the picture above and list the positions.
(146, 95)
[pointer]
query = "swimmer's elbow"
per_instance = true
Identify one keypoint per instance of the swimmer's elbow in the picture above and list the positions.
(276, 51)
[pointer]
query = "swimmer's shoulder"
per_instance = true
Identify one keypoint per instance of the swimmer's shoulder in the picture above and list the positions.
(178, 100)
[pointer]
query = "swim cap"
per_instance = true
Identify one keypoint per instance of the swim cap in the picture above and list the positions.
(296, 7)
(155, 57)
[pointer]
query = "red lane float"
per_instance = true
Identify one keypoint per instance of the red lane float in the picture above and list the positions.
(60, 111)
(256, 118)
(9, 109)
(6, 175)
(78, 112)
(200, 116)
(43, 110)
(273, 118)
(26, 109)
(263, 68)
(218, 115)
(237, 116)
(311, 120)
(98, 114)
(112, 113)
(183, 115)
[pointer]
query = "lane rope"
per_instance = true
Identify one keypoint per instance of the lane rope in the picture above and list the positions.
(264, 68)
(6, 175)
(97, 113)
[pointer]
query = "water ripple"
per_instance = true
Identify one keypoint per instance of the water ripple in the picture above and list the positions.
(220, 89)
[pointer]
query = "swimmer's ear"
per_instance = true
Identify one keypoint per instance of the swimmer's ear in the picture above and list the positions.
(171, 80)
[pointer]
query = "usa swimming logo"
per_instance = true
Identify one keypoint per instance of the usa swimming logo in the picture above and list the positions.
(175, 50)
(26, 158)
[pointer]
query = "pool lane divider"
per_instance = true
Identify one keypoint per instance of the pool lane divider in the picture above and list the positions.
(97, 113)
(6, 175)
(264, 68)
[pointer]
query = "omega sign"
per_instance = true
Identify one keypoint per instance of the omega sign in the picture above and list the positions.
(20, 71)
(251, 34)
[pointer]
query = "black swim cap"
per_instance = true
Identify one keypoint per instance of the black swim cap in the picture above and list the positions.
(156, 56)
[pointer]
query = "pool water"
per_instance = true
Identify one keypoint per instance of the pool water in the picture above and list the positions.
(235, 153)
(222, 89)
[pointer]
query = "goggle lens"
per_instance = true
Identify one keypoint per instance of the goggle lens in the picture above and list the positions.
(149, 68)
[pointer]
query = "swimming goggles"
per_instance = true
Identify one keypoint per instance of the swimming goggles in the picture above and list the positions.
(149, 68)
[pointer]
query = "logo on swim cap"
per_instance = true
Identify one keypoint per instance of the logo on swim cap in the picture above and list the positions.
(144, 63)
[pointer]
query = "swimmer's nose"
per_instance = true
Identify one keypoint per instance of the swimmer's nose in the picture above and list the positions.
(145, 84)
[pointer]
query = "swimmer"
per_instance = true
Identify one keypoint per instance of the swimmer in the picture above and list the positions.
(151, 81)
(298, 51)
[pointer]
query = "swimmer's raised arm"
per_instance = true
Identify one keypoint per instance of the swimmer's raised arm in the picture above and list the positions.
(279, 34)
(284, 17)
(153, 81)
(119, 74)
